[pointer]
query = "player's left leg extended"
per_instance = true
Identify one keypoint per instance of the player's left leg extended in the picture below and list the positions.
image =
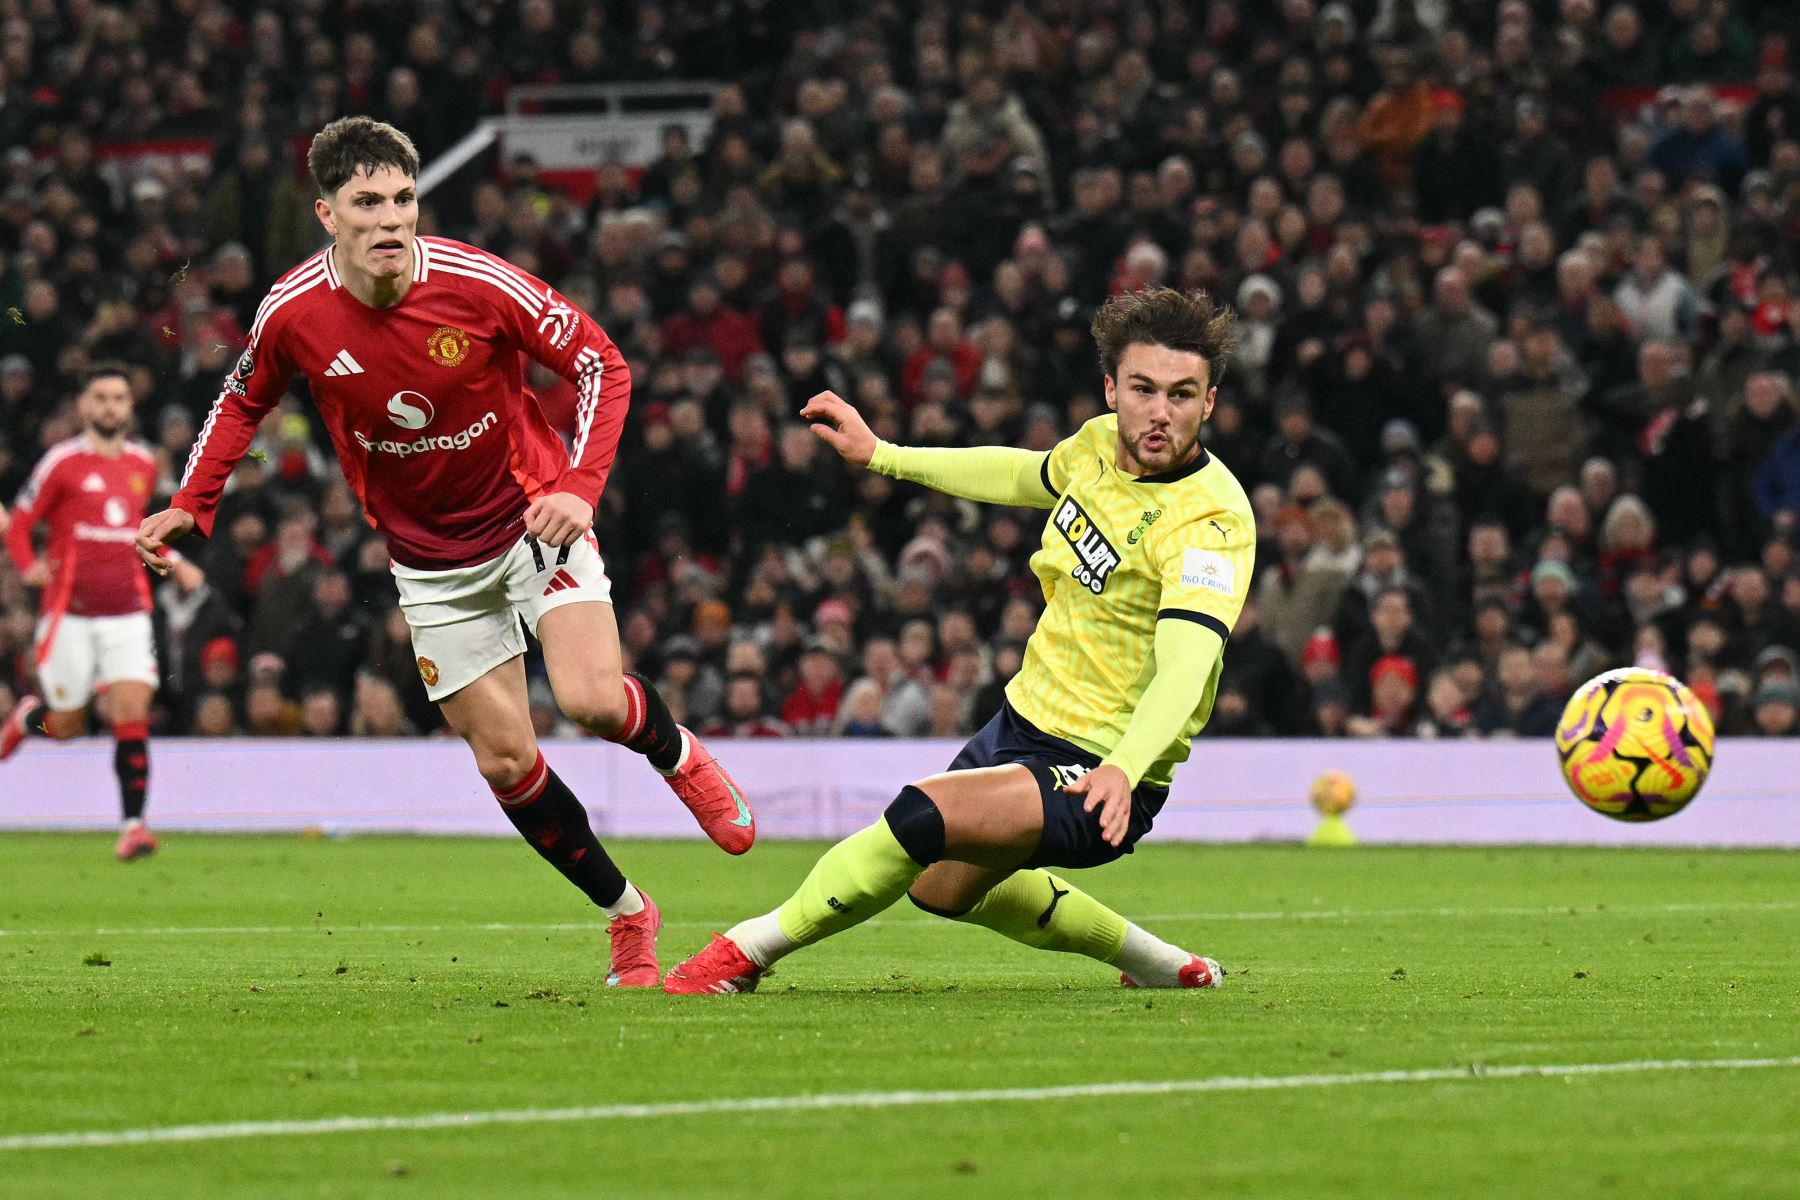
(574, 622)
(491, 714)
(990, 817)
(1047, 912)
(958, 839)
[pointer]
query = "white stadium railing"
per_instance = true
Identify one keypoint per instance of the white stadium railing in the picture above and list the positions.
(577, 127)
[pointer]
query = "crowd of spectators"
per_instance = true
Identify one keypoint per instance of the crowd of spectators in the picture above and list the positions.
(1515, 401)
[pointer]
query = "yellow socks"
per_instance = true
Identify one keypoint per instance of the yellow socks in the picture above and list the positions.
(1046, 912)
(854, 880)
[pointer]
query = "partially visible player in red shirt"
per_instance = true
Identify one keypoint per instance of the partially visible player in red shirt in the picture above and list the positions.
(94, 615)
(413, 348)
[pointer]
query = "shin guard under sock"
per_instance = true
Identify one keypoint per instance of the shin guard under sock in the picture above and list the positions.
(867, 871)
(547, 814)
(649, 727)
(1044, 911)
(131, 763)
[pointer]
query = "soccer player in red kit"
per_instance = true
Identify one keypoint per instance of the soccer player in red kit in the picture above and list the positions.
(94, 617)
(413, 349)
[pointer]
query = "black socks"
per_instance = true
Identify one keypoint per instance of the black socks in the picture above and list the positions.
(547, 814)
(131, 762)
(649, 727)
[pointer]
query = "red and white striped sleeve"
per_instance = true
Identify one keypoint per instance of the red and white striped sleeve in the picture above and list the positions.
(256, 384)
(33, 503)
(547, 326)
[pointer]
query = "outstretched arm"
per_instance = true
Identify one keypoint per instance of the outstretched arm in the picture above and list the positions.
(989, 474)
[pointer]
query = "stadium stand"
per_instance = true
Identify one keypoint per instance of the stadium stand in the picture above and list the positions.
(1515, 402)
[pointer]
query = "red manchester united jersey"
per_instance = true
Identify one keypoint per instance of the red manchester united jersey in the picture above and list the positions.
(426, 400)
(92, 504)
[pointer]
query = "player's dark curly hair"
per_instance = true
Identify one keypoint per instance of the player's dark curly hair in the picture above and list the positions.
(1160, 316)
(351, 142)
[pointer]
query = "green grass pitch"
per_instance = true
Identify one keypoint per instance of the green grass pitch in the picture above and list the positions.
(250, 979)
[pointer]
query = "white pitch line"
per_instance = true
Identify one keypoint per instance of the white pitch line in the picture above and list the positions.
(91, 1139)
(1298, 914)
(1538, 910)
(326, 927)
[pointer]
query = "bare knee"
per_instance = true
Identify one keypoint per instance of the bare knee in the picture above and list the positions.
(504, 765)
(597, 705)
(128, 702)
(993, 817)
(66, 723)
(951, 889)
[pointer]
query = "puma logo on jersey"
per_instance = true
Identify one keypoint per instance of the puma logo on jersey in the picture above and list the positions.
(1096, 557)
(1223, 536)
(343, 364)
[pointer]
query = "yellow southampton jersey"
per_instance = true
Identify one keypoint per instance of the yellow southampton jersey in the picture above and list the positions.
(1119, 551)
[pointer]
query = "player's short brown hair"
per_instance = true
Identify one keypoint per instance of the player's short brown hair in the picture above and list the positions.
(103, 370)
(1161, 316)
(351, 142)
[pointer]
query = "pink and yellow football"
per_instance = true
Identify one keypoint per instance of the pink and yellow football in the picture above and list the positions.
(1635, 744)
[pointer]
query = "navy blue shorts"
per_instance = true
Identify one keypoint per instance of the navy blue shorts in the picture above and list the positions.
(1071, 837)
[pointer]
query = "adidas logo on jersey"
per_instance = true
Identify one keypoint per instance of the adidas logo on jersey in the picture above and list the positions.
(343, 364)
(93, 483)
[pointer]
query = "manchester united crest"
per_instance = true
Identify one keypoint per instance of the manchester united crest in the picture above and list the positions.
(447, 345)
(428, 671)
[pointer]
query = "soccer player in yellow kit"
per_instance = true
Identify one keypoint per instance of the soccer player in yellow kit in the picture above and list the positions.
(1145, 561)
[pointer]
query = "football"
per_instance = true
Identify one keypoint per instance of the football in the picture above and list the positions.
(1333, 793)
(1635, 744)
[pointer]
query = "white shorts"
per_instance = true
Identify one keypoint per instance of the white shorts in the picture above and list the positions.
(465, 621)
(78, 655)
